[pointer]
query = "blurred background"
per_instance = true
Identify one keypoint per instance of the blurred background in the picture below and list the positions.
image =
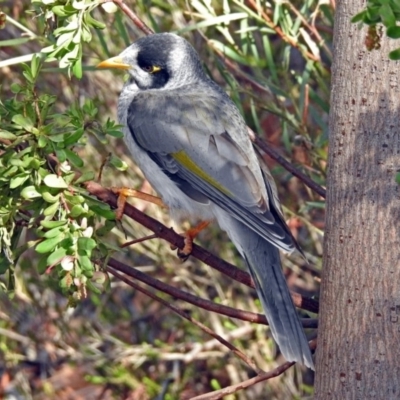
(273, 58)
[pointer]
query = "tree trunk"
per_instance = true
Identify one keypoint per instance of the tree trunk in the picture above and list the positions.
(358, 355)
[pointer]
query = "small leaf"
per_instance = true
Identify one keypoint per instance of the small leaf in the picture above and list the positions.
(49, 198)
(30, 192)
(76, 211)
(23, 122)
(77, 68)
(118, 163)
(393, 32)
(42, 141)
(42, 264)
(49, 244)
(86, 176)
(86, 244)
(107, 214)
(61, 155)
(387, 15)
(74, 158)
(359, 16)
(52, 224)
(54, 232)
(18, 180)
(395, 54)
(51, 210)
(7, 135)
(74, 137)
(56, 257)
(85, 263)
(55, 181)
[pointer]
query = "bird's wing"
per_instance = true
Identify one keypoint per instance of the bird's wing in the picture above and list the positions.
(191, 137)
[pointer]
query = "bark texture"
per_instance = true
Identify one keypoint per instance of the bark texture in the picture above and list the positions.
(358, 355)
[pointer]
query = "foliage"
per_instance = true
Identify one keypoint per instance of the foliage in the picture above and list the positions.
(42, 193)
(273, 62)
(386, 12)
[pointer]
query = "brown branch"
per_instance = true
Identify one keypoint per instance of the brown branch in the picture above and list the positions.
(185, 315)
(131, 15)
(313, 30)
(219, 394)
(288, 166)
(177, 240)
(197, 301)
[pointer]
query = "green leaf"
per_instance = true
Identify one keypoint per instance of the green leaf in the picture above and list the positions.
(74, 137)
(51, 210)
(23, 122)
(359, 16)
(49, 244)
(86, 176)
(52, 224)
(61, 155)
(118, 163)
(395, 54)
(7, 135)
(30, 192)
(42, 141)
(387, 15)
(76, 211)
(393, 32)
(114, 133)
(54, 232)
(234, 55)
(49, 198)
(219, 20)
(85, 263)
(77, 68)
(55, 181)
(42, 264)
(18, 180)
(5, 264)
(86, 244)
(56, 257)
(108, 214)
(74, 158)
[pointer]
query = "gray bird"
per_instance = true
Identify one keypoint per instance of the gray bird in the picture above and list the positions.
(192, 144)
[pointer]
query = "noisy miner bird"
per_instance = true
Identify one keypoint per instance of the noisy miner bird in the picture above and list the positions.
(192, 145)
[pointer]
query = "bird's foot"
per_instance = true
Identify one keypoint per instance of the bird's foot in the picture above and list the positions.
(188, 238)
(123, 194)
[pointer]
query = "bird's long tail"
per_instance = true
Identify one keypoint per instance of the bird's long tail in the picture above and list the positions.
(264, 263)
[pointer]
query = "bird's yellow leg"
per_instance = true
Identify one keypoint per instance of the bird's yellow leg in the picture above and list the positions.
(123, 194)
(189, 237)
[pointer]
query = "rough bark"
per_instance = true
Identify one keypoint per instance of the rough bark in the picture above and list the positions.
(358, 355)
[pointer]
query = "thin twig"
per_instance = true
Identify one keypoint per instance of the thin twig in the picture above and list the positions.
(185, 315)
(306, 104)
(197, 301)
(219, 394)
(280, 32)
(131, 15)
(288, 166)
(140, 240)
(313, 30)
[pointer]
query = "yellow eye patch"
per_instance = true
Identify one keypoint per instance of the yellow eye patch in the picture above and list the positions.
(151, 69)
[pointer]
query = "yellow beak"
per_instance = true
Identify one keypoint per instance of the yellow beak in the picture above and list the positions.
(114, 62)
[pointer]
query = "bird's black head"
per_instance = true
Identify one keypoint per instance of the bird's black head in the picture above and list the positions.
(161, 61)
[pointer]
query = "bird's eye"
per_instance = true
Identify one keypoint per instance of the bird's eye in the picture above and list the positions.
(151, 69)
